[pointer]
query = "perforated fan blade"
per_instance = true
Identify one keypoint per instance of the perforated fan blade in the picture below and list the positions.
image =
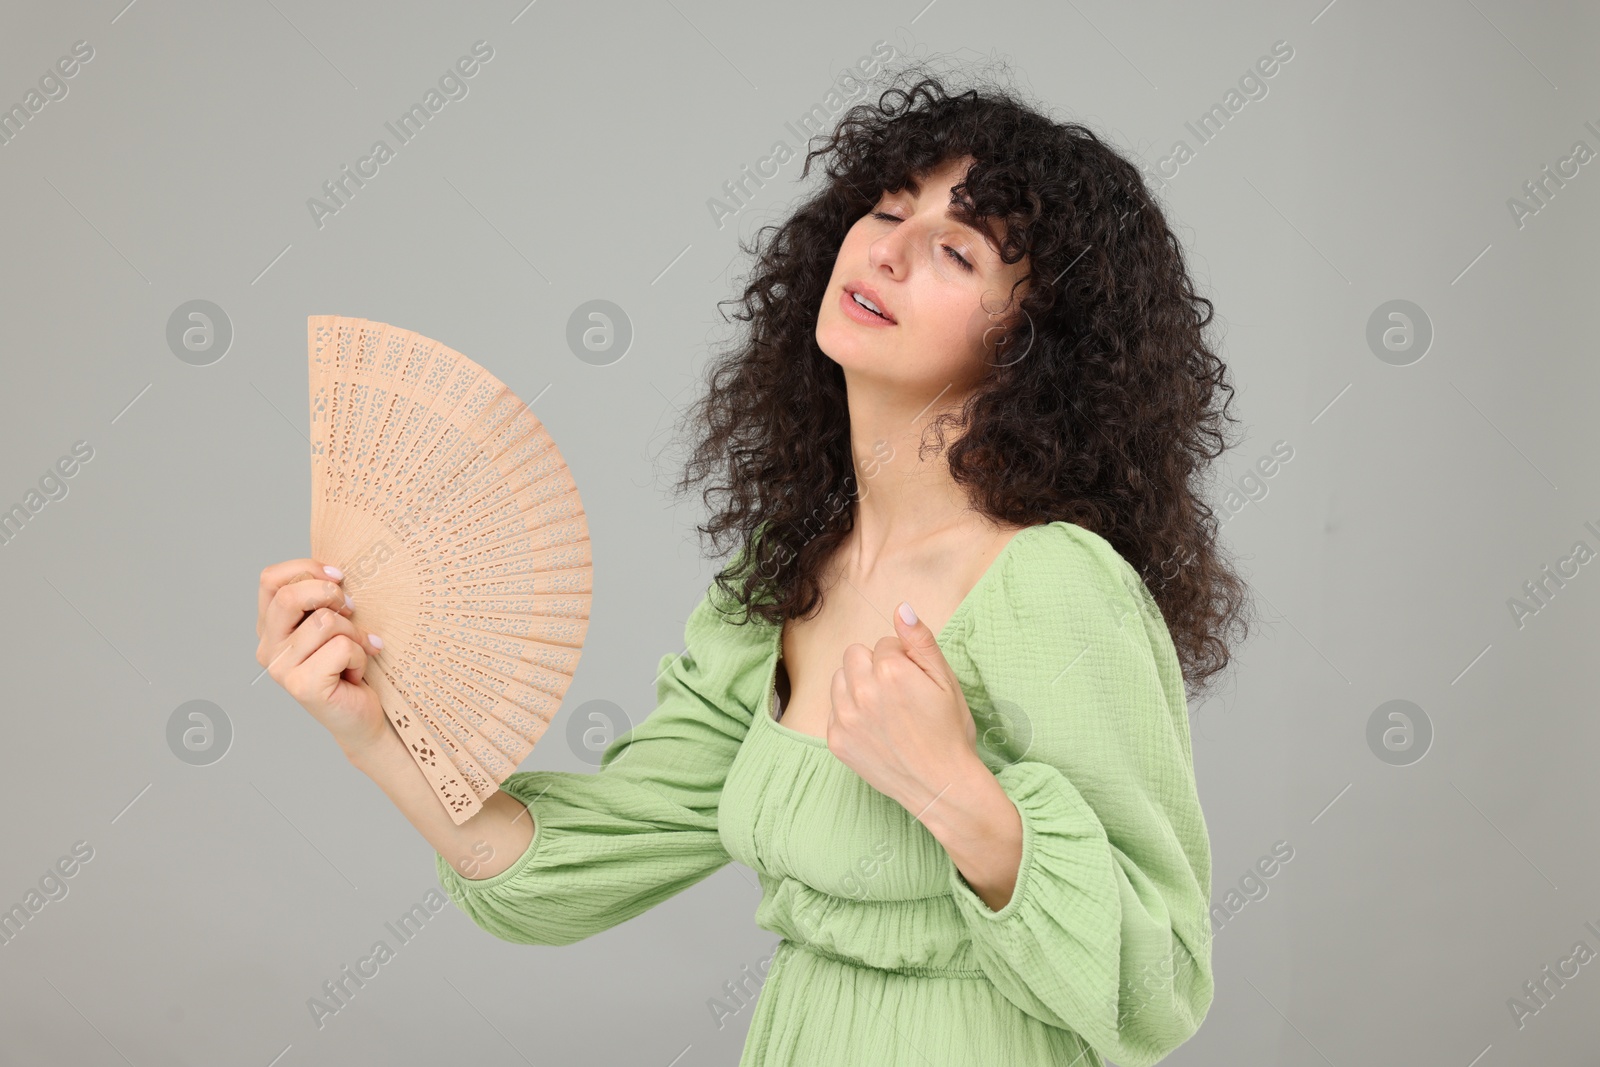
(463, 542)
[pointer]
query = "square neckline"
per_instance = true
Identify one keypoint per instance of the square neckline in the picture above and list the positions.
(775, 654)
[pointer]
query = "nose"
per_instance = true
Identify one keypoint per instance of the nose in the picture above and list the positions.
(888, 252)
(912, 238)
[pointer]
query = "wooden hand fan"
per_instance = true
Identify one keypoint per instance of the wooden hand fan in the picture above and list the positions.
(463, 543)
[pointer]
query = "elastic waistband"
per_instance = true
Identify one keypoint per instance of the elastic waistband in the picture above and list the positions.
(909, 972)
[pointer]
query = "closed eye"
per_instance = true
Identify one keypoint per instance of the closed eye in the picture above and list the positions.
(885, 216)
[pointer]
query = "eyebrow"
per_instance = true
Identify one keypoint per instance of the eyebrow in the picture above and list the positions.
(949, 213)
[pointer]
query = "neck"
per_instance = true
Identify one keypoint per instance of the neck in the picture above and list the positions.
(901, 499)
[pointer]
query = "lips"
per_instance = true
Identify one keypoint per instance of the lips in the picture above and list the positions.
(860, 315)
(872, 295)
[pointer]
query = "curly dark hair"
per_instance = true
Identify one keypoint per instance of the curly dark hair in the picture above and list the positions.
(1098, 408)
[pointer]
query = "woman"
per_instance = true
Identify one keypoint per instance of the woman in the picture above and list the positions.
(976, 825)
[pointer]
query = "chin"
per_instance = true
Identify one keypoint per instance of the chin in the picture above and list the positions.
(831, 338)
(850, 352)
(868, 352)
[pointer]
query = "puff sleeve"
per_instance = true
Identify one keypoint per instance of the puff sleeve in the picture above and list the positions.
(1107, 932)
(611, 844)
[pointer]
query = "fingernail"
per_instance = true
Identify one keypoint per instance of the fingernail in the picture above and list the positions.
(335, 573)
(377, 642)
(907, 616)
(348, 603)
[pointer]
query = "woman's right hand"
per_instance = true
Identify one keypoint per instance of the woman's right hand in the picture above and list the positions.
(311, 648)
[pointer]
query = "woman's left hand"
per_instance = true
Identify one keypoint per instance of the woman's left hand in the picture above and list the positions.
(899, 718)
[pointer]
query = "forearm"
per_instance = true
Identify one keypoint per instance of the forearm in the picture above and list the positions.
(981, 829)
(481, 847)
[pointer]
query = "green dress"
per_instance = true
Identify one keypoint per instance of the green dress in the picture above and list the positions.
(887, 956)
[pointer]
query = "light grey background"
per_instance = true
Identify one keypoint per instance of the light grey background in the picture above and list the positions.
(1418, 501)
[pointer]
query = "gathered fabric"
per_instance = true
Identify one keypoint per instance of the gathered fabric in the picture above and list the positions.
(887, 957)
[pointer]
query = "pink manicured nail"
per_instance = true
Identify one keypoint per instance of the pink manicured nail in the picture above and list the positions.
(335, 573)
(907, 616)
(377, 642)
